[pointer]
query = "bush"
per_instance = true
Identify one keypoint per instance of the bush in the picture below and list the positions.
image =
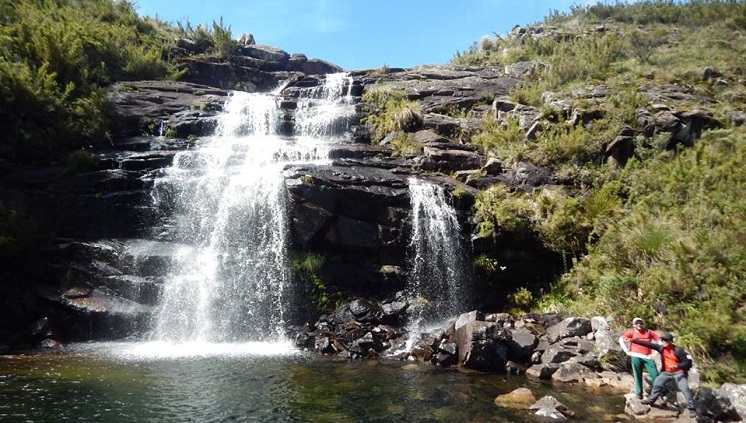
(57, 57)
(504, 140)
(395, 113)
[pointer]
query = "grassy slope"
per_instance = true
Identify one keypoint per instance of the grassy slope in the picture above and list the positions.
(665, 237)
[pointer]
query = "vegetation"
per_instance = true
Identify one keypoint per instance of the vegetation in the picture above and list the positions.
(398, 114)
(306, 267)
(57, 57)
(663, 237)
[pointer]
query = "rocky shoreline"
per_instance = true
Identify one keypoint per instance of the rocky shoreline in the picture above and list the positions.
(569, 350)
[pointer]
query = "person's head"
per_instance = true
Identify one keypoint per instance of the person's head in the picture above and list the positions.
(666, 339)
(638, 323)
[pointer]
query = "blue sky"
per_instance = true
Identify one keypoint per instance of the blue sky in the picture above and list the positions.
(361, 34)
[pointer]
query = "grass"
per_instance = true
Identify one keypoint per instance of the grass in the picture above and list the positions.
(662, 237)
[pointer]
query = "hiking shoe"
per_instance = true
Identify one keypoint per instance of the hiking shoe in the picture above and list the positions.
(692, 413)
(647, 402)
(639, 396)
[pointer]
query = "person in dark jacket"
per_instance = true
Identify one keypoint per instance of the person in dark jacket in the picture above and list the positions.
(675, 365)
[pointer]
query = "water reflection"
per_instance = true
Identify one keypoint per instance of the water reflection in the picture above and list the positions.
(109, 383)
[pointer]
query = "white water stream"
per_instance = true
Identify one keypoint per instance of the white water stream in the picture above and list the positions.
(439, 277)
(230, 281)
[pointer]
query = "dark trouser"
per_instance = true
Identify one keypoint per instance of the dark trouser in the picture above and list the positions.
(681, 382)
(637, 366)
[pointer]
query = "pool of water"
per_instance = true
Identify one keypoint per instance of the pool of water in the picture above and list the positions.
(117, 382)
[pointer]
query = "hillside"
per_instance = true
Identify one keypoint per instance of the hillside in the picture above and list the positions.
(658, 229)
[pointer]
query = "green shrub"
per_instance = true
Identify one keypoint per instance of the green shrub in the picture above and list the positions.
(222, 39)
(405, 145)
(306, 267)
(395, 112)
(678, 253)
(79, 162)
(504, 140)
(521, 300)
(56, 58)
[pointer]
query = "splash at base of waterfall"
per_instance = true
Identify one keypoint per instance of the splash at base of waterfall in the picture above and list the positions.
(160, 350)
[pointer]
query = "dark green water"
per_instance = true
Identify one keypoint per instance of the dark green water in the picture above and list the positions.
(120, 383)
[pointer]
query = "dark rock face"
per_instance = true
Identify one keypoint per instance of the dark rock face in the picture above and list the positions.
(147, 107)
(342, 207)
(443, 88)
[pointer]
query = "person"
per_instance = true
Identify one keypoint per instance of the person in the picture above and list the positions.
(641, 355)
(675, 365)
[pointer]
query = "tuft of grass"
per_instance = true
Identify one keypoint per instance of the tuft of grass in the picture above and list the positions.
(395, 112)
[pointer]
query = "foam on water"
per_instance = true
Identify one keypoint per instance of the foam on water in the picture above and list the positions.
(161, 350)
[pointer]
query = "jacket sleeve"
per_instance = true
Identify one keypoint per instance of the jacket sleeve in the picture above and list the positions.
(685, 363)
(650, 345)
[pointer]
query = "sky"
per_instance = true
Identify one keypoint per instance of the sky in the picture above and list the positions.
(361, 34)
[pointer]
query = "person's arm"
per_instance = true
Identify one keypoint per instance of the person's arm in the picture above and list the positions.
(624, 339)
(647, 344)
(654, 336)
(685, 363)
(623, 343)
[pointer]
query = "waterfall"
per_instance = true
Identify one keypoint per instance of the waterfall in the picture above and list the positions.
(320, 116)
(439, 278)
(227, 207)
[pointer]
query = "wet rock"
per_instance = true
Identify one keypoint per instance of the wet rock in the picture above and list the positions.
(572, 372)
(571, 326)
(519, 398)
(550, 409)
(542, 371)
(366, 311)
(736, 394)
(146, 107)
(482, 345)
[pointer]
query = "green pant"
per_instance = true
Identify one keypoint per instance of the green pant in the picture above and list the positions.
(637, 364)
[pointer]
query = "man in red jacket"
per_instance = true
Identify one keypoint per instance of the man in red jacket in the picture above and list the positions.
(641, 355)
(675, 363)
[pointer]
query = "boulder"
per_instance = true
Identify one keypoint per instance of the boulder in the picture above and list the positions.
(571, 326)
(521, 345)
(715, 406)
(572, 372)
(736, 394)
(542, 371)
(518, 398)
(549, 408)
(482, 345)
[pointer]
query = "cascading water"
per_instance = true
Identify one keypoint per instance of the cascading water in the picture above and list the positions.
(230, 281)
(438, 279)
(320, 117)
